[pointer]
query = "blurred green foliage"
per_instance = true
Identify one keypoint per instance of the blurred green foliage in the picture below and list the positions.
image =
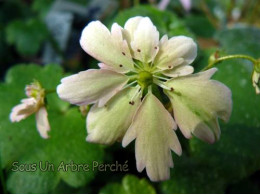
(166, 22)
(243, 40)
(211, 168)
(232, 165)
(26, 36)
(21, 141)
(130, 185)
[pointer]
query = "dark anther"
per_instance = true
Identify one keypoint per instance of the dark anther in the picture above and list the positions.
(169, 67)
(139, 50)
(132, 102)
(123, 53)
(155, 47)
(172, 89)
(120, 65)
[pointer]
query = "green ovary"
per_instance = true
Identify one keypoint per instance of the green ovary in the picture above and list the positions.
(145, 79)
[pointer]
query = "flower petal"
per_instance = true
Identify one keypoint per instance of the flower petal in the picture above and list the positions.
(152, 127)
(23, 110)
(104, 66)
(42, 122)
(179, 50)
(108, 124)
(130, 27)
(91, 86)
(198, 102)
(144, 40)
(179, 71)
(109, 48)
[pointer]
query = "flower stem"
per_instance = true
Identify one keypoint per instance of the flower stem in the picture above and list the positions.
(162, 78)
(2, 180)
(215, 62)
(129, 84)
(161, 84)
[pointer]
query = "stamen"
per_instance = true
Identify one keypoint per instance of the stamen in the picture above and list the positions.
(161, 84)
(138, 66)
(158, 71)
(137, 92)
(132, 103)
(123, 53)
(120, 65)
(162, 78)
(128, 85)
(139, 50)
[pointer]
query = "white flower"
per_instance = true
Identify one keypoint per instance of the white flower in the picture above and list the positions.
(33, 104)
(133, 62)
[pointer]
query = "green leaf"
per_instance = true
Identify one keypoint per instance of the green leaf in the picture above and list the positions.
(26, 36)
(246, 186)
(166, 22)
(32, 181)
(11, 10)
(42, 6)
(113, 188)
(20, 142)
(195, 22)
(190, 176)
(211, 168)
(240, 40)
(236, 156)
(130, 185)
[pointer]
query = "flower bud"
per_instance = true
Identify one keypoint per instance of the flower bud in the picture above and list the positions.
(256, 77)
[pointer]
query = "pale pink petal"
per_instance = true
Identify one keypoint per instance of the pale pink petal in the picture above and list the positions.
(153, 128)
(179, 50)
(104, 66)
(42, 122)
(91, 86)
(117, 35)
(179, 71)
(109, 123)
(145, 41)
(109, 48)
(26, 108)
(198, 102)
(130, 28)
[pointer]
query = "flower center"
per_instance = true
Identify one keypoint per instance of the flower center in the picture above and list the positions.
(145, 79)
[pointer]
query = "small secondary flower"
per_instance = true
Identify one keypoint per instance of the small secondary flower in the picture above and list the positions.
(256, 77)
(134, 62)
(256, 81)
(33, 104)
